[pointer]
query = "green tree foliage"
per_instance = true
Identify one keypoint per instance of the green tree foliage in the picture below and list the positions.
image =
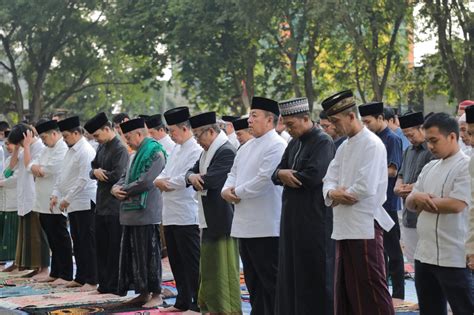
(374, 27)
(215, 48)
(454, 25)
(92, 55)
(62, 48)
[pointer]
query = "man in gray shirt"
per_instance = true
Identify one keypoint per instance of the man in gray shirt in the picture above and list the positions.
(415, 157)
(140, 216)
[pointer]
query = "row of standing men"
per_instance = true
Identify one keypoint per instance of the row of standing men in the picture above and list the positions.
(291, 264)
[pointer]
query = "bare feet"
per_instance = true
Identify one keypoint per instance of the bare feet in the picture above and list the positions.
(172, 309)
(60, 281)
(397, 302)
(167, 293)
(47, 279)
(142, 298)
(155, 301)
(414, 307)
(88, 287)
(41, 273)
(73, 284)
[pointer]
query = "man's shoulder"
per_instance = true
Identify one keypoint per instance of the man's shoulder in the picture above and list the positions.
(390, 137)
(317, 135)
(227, 146)
(371, 139)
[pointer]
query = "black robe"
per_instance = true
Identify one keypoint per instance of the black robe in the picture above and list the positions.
(217, 211)
(306, 262)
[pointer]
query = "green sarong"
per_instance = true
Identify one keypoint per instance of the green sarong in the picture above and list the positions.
(142, 161)
(8, 235)
(219, 288)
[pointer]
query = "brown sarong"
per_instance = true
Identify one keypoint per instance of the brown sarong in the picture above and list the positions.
(360, 281)
(32, 249)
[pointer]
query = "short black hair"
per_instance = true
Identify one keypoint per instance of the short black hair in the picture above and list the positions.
(4, 125)
(16, 134)
(323, 115)
(376, 116)
(160, 126)
(444, 122)
(118, 119)
(388, 113)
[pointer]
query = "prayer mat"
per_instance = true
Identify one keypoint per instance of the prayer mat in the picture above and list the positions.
(64, 299)
(104, 308)
(21, 291)
(409, 268)
(168, 289)
(167, 274)
(27, 286)
(407, 307)
(14, 274)
(12, 282)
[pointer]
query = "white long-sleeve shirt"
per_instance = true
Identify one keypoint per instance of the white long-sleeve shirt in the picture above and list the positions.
(233, 139)
(180, 207)
(50, 162)
(168, 144)
(2, 159)
(442, 236)
(259, 211)
(8, 195)
(360, 165)
(26, 192)
(73, 183)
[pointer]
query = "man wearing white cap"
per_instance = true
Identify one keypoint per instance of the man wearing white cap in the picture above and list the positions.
(306, 254)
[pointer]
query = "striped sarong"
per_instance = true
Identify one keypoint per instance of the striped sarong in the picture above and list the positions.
(360, 282)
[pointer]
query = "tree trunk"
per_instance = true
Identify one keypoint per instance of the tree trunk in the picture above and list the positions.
(294, 74)
(308, 70)
(14, 73)
(18, 98)
(358, 83)
(374, 80)
(459, 73)
(250, 79)
(37, 102)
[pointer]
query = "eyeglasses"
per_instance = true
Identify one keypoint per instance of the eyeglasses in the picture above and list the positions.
(197, 136)
(325, 126)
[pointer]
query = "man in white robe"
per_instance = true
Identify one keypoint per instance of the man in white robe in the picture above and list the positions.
(355, 186)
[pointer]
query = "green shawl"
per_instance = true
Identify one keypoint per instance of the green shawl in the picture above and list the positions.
(142, 161)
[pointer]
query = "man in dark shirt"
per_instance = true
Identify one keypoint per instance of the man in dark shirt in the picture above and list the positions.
(306, 254)
(415, 157)
(373, 117)
(329, 128)
(108, 166)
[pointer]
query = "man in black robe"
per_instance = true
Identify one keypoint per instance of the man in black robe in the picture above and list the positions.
(306, 262)
(107, 168)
